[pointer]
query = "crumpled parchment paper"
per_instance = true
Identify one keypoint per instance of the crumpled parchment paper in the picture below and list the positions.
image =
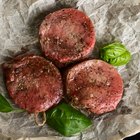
(114, 20)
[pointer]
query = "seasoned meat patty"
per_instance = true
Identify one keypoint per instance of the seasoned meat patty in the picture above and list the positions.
(66, 36)
(33, 83)
(95, 86)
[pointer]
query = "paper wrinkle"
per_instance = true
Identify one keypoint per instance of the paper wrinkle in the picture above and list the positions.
(114, 20)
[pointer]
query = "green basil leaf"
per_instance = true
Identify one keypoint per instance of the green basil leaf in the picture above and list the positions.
(122, 60)
(67, 120)
(4, 105)
(115, 54)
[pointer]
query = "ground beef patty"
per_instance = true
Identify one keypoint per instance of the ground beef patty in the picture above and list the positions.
(95, 86)
(33, 82)
(66, 36)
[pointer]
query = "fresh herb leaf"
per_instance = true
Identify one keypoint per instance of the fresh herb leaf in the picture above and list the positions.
(67, 120)
(4, 105)
(115, 54)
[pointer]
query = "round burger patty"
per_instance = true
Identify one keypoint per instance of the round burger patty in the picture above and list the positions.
(66, 36)
(95, 86)
(33, 82)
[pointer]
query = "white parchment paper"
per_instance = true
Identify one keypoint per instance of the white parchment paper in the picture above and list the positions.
(113, 20)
